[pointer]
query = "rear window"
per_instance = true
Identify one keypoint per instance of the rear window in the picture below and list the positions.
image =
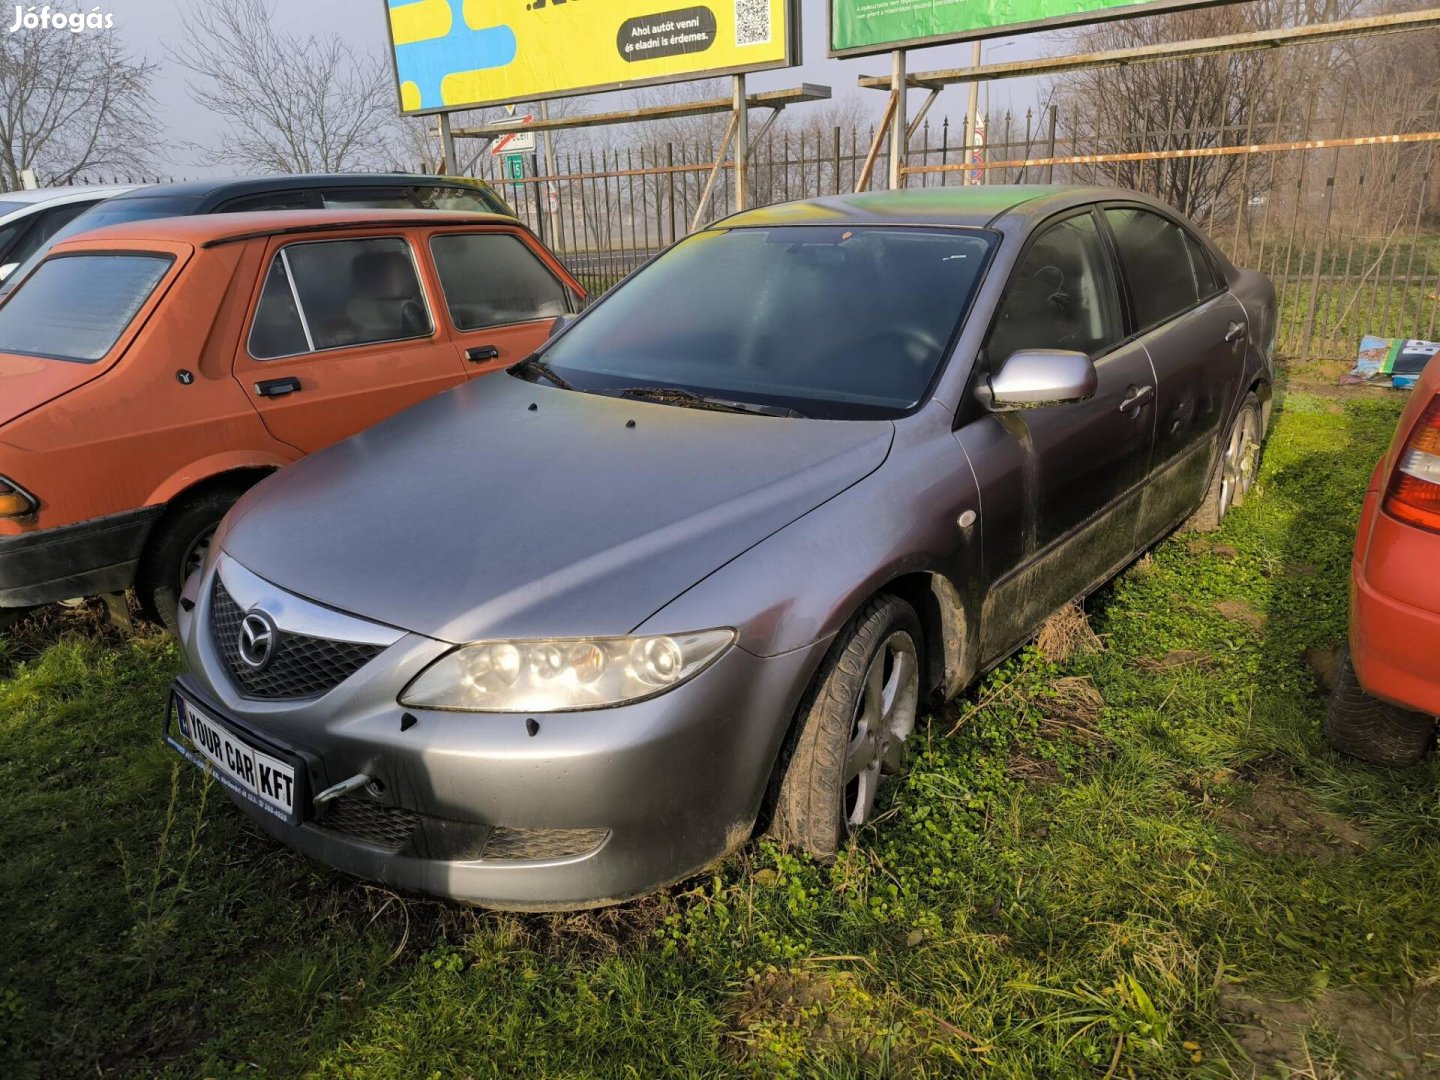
(75, 307)
(413, 198)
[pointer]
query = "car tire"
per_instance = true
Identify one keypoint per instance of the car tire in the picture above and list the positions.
(1236, 470)
(178, 540)
(1372, 730)
(852, 728)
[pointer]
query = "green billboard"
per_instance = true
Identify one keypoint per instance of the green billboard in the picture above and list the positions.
(858, 27)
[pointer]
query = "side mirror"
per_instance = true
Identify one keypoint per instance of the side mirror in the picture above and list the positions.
(559, 324)
(1033, 378)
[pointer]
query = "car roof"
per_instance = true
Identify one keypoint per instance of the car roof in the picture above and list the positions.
(66, 193)
(235, 186)
(973, 206)
(209, 230)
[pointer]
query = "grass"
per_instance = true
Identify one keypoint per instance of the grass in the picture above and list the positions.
(1140, 861)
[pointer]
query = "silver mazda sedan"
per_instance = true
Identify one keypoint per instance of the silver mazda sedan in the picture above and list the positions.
(565, 634)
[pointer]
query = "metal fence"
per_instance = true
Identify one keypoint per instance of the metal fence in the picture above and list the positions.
(1346, 221)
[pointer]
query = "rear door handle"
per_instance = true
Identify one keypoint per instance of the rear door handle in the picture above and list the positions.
(481, 353)
(1236, 331)
(277, 387)
(1137, 396)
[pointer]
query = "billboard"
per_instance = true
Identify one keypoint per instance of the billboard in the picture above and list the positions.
(459, 54)
(858, 27)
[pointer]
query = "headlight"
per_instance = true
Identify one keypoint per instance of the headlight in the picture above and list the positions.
(562, 674)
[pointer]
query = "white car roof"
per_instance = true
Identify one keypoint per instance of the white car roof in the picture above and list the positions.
(59, 196)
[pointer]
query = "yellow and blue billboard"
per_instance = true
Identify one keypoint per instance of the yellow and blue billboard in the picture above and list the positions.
(461, 54)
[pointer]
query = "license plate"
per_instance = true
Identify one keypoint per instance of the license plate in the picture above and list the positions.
(247, 770)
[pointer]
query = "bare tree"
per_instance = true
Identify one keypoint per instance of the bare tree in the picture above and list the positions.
(1193, 103)
(289, 103)
(72, 104)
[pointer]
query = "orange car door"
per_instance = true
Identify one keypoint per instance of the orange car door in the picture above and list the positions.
(342, 334)
(501, 296)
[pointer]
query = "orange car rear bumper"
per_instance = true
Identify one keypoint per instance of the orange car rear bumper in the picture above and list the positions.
(1394, 642)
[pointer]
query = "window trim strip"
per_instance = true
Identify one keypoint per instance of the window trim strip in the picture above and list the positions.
(295, 295)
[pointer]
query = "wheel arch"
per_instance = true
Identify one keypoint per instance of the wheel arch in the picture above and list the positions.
(210, 471)
(941, 611)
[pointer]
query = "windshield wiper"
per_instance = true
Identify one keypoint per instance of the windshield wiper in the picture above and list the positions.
(673, 395)
(533, 365)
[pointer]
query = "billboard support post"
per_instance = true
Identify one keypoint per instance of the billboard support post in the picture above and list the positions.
(972, 136)
(741, 124)
(899, 131)
(704, 200)
(548, 191)
(447, 146)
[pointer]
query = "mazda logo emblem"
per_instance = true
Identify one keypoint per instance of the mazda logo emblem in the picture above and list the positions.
(257, 640)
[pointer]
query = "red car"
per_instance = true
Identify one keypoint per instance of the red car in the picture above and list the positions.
(1387, 691)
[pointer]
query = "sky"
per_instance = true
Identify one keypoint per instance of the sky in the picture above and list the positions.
(152, 27)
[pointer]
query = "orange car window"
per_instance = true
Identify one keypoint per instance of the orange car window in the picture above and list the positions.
(493, 278)
(75, 307)
(336, 293)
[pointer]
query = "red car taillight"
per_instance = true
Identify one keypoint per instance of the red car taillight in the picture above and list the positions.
(1414, 494)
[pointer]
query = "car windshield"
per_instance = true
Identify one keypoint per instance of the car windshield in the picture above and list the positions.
(110, 212)
(75, 307)
(839, 322)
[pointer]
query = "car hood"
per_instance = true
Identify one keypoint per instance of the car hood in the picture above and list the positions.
(510, 509)
(27, 382)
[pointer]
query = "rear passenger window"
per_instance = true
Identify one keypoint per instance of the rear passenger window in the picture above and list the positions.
(1061, 295)
(337, 293)
(1209, 282)
(1155, 253)
(493, 278)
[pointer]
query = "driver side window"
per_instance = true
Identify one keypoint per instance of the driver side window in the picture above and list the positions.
(1061, 296)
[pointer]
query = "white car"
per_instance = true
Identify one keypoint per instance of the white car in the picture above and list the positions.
(30, 218)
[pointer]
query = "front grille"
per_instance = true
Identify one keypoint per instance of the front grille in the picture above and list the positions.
(535, 844)
(301, 667)
(388, 827)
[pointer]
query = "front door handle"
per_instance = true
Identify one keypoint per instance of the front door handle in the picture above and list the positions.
(481, 353)
(1236, 331)
(277, 387)
(1137, 396)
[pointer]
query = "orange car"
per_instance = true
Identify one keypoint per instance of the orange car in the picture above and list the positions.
(152, 372)
(1387, 691)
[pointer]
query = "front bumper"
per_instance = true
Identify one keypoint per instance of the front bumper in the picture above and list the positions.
(592, 808)
(86, 559)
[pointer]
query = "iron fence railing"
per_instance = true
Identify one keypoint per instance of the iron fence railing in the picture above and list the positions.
(1349, 232)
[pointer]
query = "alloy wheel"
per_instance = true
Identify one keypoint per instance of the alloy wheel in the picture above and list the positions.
(1242, 458)
(884, 719)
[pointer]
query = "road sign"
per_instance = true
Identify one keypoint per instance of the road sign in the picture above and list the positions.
(515, 142)
(515, 166)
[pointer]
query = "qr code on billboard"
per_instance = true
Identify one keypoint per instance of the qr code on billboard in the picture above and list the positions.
(752, 22)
